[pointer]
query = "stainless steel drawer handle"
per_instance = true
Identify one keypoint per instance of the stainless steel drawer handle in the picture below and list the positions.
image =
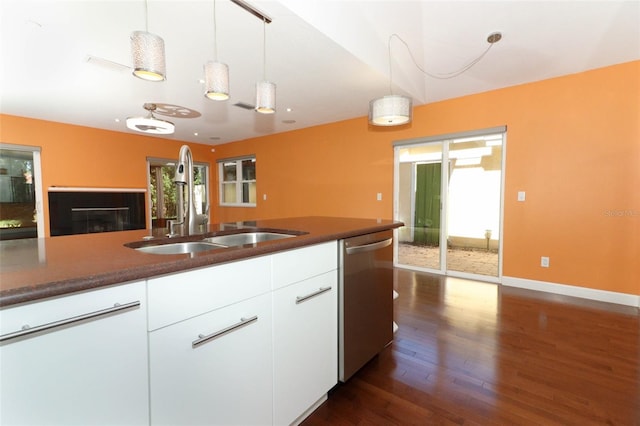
(204, 339)
(300, 299)
(27, 330)
(369, 247)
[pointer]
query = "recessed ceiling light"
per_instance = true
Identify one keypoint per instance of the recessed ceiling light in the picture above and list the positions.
(289, 110)
(195, 133)
(117, 120)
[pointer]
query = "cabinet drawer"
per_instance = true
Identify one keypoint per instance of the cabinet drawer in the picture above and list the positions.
(296, 265)
(89, 303)
(179, 296)
(88, 370)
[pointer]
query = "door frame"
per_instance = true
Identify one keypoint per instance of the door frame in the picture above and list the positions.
(445, 138)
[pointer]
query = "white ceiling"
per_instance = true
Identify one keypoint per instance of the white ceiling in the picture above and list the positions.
(328, 58)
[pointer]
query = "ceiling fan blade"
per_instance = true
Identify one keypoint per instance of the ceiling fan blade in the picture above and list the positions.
(244, 105)
(106, 63)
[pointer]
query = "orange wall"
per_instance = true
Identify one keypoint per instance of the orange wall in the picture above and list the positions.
(573, 144)
(84, 156)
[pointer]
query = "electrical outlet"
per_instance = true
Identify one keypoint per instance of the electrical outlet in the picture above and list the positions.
(544, 261)
(379, 196)
(522, 195)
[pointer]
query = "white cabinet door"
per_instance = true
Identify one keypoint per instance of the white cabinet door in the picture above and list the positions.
(87, 372)
(226, 380)
(305, 333)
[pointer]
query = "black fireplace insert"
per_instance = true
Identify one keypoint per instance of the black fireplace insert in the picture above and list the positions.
(85, 212)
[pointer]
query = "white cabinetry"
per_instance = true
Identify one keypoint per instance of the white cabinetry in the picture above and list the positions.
(305, 327)
(211, 346)
(222, 381)
(76, 371)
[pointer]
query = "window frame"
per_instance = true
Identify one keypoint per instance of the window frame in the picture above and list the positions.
(239, 181)
(157, 161)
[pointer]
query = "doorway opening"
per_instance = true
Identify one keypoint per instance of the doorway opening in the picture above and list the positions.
(448, 192)
(20, 192)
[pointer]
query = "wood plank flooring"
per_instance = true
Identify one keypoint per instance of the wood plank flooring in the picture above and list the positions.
(472, 353)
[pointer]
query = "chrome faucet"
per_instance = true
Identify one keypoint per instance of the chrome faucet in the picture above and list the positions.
(184, 180)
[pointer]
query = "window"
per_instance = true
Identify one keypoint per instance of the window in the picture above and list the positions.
(237, 179)
(163, 189)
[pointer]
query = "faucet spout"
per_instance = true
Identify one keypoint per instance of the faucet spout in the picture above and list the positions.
(186, 209)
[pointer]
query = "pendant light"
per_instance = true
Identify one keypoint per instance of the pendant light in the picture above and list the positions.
(147, 51)
(216, 74)
(390, 110)
(265, 90)
(395, 110)
(150, 124)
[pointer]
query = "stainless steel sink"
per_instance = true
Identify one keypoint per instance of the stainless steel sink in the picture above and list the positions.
(180, 248)
(246, 238)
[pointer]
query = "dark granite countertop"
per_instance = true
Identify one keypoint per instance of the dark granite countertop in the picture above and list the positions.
(34, 269)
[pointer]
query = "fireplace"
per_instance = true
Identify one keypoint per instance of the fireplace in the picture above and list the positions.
(85, 211)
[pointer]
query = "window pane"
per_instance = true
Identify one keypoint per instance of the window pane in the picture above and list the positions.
(229, 192)
(248, 169)
(168, 192)
(249, 192)
(229, 172)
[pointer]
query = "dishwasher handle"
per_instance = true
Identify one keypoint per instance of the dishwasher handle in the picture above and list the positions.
(369, 247)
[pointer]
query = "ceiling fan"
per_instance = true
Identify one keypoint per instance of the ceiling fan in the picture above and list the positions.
(150, 124)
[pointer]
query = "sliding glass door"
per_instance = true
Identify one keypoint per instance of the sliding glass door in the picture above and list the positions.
(448, 194)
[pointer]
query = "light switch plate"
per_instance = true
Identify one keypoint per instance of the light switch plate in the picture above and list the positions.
(521, 195)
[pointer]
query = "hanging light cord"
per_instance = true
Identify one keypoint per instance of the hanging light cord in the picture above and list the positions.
(215, 33)
(440, 76)
(264, 49)
(146, 16)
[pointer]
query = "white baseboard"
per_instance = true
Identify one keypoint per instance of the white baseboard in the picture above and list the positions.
(575, 291)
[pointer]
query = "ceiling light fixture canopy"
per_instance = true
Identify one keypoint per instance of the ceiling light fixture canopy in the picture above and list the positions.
(150, 124)
(216, 74)
(396, 110)
(147, 51)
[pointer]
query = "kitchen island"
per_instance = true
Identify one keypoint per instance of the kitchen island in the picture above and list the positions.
(34, 269)
(93, 331)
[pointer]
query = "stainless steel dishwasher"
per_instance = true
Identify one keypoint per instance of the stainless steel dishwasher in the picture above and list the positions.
(365, 299)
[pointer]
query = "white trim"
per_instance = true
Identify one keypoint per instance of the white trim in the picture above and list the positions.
(89, 189)
(37, 167)
(575, 291)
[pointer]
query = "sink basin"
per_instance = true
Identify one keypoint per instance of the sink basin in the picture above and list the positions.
(180, 248)
(246, 238)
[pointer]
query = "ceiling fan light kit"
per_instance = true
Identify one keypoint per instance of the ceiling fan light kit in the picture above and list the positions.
(150, 124)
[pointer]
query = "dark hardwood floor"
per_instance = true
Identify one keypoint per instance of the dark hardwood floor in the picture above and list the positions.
(475, 353)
